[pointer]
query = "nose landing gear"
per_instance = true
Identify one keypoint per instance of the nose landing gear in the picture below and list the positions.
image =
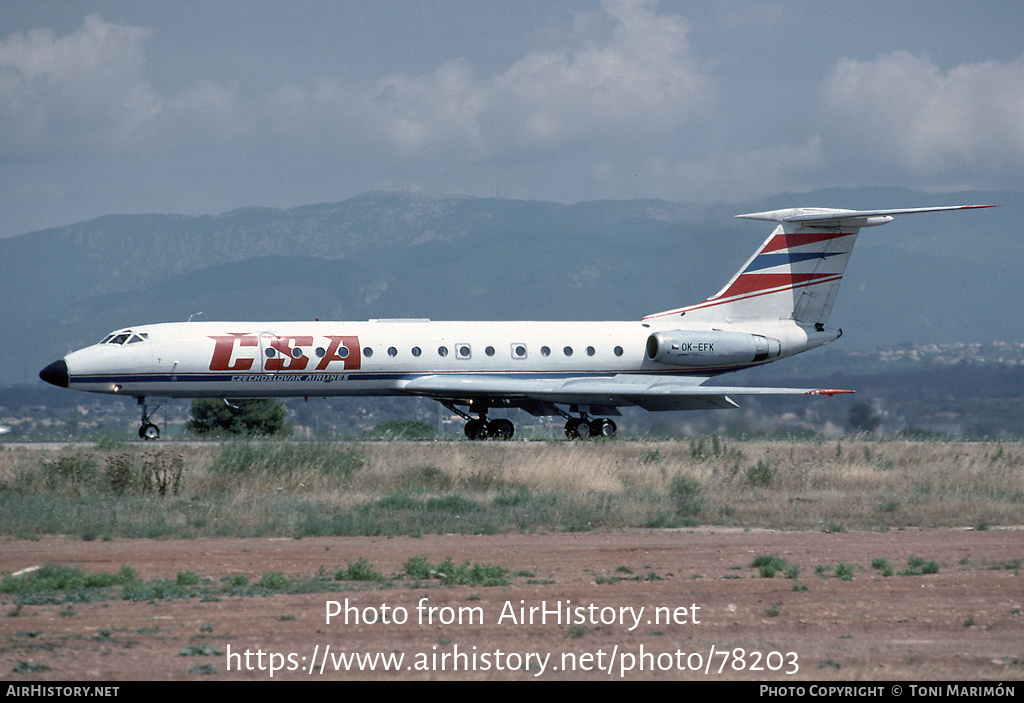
(148, 430)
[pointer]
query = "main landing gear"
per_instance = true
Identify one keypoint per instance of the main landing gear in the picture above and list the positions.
(584, 427)
(148, 429)
(482, 428)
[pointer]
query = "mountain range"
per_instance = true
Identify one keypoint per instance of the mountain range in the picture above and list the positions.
(924, 279)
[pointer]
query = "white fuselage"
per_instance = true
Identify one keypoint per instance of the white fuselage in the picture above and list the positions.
(380, 357)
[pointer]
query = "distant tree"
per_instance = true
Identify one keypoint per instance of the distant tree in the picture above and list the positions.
(862, 418)
(259, 416)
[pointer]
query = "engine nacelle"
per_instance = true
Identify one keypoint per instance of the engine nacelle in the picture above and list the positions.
(701, 348)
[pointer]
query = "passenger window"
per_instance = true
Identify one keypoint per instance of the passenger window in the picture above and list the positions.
(367, 352)
(545, 351)
(392, 352)
(489, 351)
(416, 351)
(442, 351)
(463, 351)
(590, 351)
(518, 351)
(618, 351)
(567, 351)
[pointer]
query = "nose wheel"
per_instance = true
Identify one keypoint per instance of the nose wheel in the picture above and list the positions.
(148, 430)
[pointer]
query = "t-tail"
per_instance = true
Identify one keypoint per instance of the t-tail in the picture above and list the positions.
(795, 274)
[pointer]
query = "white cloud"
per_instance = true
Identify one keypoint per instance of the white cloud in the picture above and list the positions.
(637, 83)
(83, 88)
(643, 79)
(628, 99)
(911, 118)
(86, 92)
(620, 85)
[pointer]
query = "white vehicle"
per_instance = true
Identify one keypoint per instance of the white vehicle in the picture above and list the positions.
(776, 305)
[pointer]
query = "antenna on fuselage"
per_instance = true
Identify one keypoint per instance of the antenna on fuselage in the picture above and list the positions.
(195, 314)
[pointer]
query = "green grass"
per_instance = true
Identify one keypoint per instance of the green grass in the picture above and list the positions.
(450, 574)
(52, 577)
(56, 584)
(882, 566)
(844, 571)
(917, 566)
(768, 566)
(359, 570)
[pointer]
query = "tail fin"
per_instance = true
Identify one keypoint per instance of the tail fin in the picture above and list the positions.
(795, 274)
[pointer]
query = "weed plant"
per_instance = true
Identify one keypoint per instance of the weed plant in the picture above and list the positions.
(917, 566)
(768, 566)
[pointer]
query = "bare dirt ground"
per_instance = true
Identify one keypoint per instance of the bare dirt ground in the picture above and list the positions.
(964, 623)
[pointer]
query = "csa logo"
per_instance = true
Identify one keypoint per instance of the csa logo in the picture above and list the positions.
(239, 351)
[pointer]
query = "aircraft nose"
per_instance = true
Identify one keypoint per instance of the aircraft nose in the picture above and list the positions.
(56, 374)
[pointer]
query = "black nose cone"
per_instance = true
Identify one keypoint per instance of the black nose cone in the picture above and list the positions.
(56, 373)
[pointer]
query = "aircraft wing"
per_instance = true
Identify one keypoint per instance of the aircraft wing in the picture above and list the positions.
(646, 391)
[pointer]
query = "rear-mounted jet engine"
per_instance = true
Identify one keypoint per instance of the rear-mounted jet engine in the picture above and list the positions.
(710, 348)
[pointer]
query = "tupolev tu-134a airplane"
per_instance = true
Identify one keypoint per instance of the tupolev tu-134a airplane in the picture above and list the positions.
(776, 305)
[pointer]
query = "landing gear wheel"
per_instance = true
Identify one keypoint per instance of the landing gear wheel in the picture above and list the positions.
(476, 429)
(577, 428)
(149, 431)
(500, 429)
(603, 428)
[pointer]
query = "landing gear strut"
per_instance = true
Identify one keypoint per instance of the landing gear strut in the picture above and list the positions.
(148, 429)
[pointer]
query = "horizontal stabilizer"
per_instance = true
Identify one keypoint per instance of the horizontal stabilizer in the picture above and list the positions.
(830, 217)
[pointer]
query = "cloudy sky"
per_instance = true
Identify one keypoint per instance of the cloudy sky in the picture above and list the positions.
(203, 106)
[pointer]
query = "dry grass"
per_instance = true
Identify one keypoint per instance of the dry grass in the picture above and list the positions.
(297, 488)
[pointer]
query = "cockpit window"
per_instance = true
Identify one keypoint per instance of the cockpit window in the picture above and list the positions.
(125, 336)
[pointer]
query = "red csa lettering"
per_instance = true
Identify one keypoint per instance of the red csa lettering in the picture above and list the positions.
(224, 348)
(352, 357)
(285, 361)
